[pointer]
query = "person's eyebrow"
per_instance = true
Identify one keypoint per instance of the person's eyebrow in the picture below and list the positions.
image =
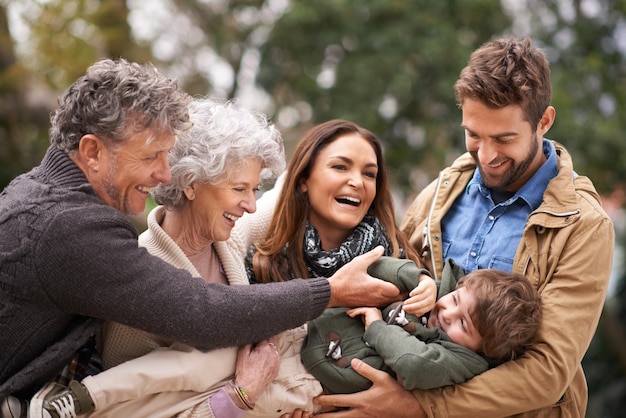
(469, 325)
(349, 160)
(497, 136)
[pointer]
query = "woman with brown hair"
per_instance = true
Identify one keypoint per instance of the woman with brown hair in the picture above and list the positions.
(335, 204)
(350, 159)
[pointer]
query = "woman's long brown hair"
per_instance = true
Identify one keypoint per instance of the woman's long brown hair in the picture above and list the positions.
(288, 222)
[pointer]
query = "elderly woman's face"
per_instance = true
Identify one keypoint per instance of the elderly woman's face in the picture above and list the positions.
(216, 208)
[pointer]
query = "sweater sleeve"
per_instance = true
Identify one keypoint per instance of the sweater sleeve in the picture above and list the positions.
(91, 265)
(420, 364)
(222, 406)
(401, 272)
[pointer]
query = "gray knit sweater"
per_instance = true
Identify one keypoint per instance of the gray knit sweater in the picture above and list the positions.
(68, 261)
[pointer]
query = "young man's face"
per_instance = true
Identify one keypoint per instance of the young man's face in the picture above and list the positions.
(506, 149)
(452, 314)
(130, 171)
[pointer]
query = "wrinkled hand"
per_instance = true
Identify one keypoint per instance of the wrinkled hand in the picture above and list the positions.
(422, 299)
(257, 366)
(368, 315)
(298, 413)
(351, 286)
(385, 398)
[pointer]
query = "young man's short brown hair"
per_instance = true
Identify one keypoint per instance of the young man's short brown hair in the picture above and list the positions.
(507, 312)
(507, 72)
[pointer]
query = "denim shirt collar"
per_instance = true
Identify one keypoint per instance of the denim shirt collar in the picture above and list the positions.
(532, 191)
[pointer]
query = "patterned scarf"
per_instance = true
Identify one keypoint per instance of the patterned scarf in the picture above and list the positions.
(366, 236)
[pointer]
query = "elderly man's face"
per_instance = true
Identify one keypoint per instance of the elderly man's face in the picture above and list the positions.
(132, 170)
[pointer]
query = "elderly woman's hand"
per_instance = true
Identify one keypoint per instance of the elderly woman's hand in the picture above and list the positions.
(298, 413)
(257, 366)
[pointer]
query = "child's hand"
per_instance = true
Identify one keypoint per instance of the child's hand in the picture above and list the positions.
(368, 315)
(422, 299)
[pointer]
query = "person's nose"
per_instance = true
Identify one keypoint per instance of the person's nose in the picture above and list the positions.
(355, 181)
(487, 152)
(445, 316)
(163, 173)
(449, 314)
(249, 203)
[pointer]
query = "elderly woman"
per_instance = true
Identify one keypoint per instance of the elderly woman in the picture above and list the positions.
(217, 168)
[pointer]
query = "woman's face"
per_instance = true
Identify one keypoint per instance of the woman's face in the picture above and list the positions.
(341, 187)
(216, 207)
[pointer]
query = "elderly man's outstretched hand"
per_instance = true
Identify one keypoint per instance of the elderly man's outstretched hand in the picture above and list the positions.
(351, 286)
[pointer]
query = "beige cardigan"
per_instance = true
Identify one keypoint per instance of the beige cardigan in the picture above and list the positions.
(122, 343)
(154, 370)
(138, 363)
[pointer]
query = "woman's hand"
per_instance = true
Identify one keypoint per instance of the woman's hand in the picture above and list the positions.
(257, 366)
(422, 299)
(386, 398)
(368, 315)
(298, 413)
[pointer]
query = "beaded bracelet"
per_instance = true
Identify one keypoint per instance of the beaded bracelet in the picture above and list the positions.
(242, 395)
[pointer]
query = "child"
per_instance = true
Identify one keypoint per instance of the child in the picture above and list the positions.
(489, 318)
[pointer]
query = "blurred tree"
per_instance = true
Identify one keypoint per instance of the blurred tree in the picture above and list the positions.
(228, 29)
(388, 65)
(84, 31)
(23, 115)
(586, 43)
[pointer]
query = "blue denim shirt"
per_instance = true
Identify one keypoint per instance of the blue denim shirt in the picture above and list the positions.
(477, 233)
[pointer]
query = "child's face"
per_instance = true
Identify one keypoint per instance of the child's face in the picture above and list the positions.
(452, 314)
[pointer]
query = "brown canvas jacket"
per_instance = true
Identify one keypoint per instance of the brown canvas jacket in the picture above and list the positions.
(566, 252)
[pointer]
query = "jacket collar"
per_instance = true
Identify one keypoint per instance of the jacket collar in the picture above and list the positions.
(560, 196)
(59, 169)
(532, 191)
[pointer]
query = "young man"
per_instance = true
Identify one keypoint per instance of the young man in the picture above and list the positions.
(69, 257)
(513, 202)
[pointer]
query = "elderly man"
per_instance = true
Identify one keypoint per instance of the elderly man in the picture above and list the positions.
(69, 257)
